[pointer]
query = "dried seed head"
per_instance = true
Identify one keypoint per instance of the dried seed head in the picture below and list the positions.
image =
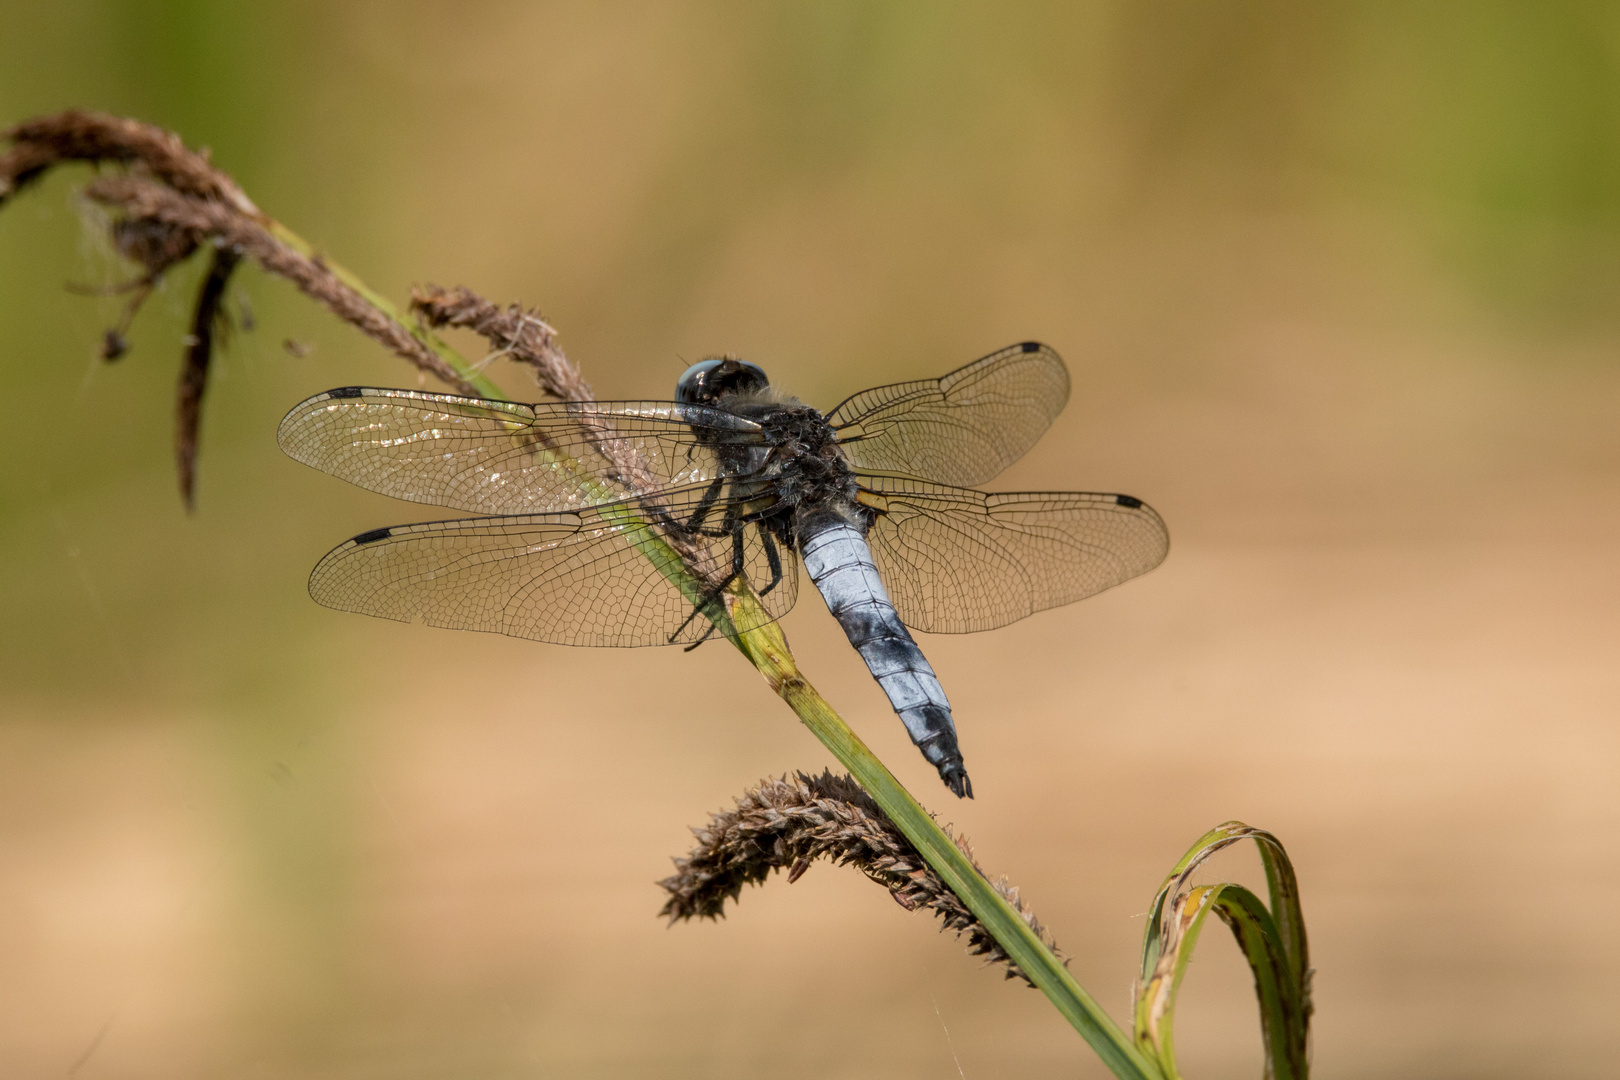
(209, 325)
(168, 202)
(153, 244)
(788, 823)
(521, 335)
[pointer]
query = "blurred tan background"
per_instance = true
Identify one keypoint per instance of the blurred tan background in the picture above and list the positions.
(1337, 285)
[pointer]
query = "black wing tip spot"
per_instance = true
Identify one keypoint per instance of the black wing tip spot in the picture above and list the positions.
(1030, 346)
(373, 536)
(346, 392)
(1128, 500)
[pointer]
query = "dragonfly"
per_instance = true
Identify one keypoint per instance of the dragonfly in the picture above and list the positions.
(632, 523)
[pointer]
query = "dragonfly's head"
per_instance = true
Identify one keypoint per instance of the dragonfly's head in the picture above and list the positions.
(708, 381)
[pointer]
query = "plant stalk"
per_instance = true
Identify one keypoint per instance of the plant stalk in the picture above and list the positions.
(767, 649)
(473, 375)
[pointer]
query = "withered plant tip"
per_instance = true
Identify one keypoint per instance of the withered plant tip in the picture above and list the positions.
(169, 200)
(785, 824)
(520, 335)
(209, 323)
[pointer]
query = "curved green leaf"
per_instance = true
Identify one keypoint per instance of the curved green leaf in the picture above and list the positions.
(1273, 942)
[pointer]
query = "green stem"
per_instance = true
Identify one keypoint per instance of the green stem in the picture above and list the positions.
(767, 649)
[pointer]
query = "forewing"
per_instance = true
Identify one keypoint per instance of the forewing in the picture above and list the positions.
(956, 561)
(577, 578)
(962, 429)
(496, 457)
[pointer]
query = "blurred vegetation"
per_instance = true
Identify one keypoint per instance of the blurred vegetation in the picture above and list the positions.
(843, 192)
(1487, 133)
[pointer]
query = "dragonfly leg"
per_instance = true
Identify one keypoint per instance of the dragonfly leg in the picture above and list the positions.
(772, 557)
(737, 554)
(707, 634)
(705, 506)
(708, 602)
(738, 565)
(736, 530)
(699, 608)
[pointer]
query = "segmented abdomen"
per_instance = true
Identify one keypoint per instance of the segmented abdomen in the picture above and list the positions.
(839, 562)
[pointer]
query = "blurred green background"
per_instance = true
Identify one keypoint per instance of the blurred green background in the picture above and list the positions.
(1337, 287)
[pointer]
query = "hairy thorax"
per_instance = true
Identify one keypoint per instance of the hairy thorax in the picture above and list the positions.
(805, 468)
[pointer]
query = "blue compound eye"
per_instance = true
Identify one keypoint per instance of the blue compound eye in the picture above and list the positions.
(707, 381)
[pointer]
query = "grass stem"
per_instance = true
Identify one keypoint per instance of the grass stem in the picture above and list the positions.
(767, 649)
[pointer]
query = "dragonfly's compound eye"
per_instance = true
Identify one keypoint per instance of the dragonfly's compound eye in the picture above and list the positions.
(707, 381)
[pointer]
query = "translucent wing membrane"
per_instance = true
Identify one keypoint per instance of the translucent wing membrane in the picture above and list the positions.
(495, 457)
(581, 578)
(964, 428)
(589, 505)
(956, 561)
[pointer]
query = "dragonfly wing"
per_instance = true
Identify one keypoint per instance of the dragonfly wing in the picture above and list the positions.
(580, 578)
(956, 561)
(497, 457)
(964, 428)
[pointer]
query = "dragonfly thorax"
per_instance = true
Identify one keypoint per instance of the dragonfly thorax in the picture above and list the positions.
(808, 470)
(804, 469)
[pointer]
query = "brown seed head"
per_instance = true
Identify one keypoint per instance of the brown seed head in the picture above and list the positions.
(788, 823)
